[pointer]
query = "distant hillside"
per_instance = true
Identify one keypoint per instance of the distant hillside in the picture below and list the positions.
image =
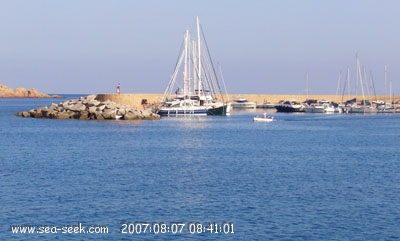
(6, 92)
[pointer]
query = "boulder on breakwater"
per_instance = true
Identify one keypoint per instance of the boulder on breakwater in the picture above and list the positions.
(89, 108)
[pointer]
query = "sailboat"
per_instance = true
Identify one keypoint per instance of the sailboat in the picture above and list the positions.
(365, 106)
(387, 107)
(198, 91)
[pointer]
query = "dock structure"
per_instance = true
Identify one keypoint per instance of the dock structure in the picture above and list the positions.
(135, 99)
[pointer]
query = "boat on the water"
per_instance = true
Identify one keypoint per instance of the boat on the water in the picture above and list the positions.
(197, 92)
(267, 106)
(180, 106)
(365, 106)
(290, 106)
(362, 109)
(243, 103)
(220, 110)
(322, 106)
(263, 118)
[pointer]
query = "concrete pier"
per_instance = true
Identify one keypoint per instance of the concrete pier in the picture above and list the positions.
(135, 100)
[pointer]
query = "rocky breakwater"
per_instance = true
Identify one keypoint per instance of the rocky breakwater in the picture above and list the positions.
(89, 108)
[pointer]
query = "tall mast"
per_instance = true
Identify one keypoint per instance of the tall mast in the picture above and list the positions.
(385, 79)
(390, 85)
(339, 83)
(357, 74)
(186, 72)
(361, 79)
(307, 84)
(390, 91)
(348, 81)
(199, 54)
(195, 65)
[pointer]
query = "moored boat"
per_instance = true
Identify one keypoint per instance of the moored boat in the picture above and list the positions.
(200, 83)
(290, 106)
(362, 109)
(220, 110)
(267, 106)
(322, 106)
(243, 103)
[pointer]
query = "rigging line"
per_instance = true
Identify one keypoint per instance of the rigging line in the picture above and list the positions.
(209, 56)
(373, 85)
(346, 83)
(173, 77)
(223, 81)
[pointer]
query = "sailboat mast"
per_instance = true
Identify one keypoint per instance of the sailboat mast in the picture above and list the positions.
(385, 79)
(348, 81)
(359, 75)
(199, 54)
(390, 85)
(186, 72)
(339, 83)
(307, 84)
(390, 92)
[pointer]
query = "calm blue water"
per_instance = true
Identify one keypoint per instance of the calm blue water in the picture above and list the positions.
(303, 177)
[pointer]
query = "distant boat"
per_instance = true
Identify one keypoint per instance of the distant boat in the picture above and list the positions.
(199, 89)
(182, 106)
(243, 103)
(267, 106)
(221, 110)
(365, 106)
(263, 118)
(362, 109)
(322, 106)
(290, 106)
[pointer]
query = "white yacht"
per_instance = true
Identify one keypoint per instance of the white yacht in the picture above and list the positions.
(243, 103)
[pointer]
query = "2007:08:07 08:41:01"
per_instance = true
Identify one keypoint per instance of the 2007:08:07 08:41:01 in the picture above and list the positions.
(175, 227)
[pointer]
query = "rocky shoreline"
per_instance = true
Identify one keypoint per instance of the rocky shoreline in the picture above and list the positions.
(89, 108)
(6, 92)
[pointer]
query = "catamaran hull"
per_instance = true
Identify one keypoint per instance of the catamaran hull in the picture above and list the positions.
(181, 112)
(222, 110)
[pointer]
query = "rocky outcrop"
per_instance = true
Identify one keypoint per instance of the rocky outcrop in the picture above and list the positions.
(6, 92)
(89, 108)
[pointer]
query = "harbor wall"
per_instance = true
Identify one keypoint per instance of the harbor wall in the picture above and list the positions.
(135, 99)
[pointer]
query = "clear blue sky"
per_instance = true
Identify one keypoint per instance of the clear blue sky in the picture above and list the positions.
(264, 47)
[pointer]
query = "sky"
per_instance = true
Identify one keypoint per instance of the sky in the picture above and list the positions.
(262, 46)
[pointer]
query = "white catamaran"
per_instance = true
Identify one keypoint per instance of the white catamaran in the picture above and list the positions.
(199, 92)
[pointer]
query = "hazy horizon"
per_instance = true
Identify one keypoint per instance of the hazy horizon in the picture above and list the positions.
(264, 47)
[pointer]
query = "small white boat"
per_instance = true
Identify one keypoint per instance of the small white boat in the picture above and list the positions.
(263, 118)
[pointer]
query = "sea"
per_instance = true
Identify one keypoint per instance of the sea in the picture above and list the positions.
(302, 177)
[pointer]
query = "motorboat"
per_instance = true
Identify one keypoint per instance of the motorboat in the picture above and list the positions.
(322, 106)
(243, 103)
(290, 106)
(263, 118)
